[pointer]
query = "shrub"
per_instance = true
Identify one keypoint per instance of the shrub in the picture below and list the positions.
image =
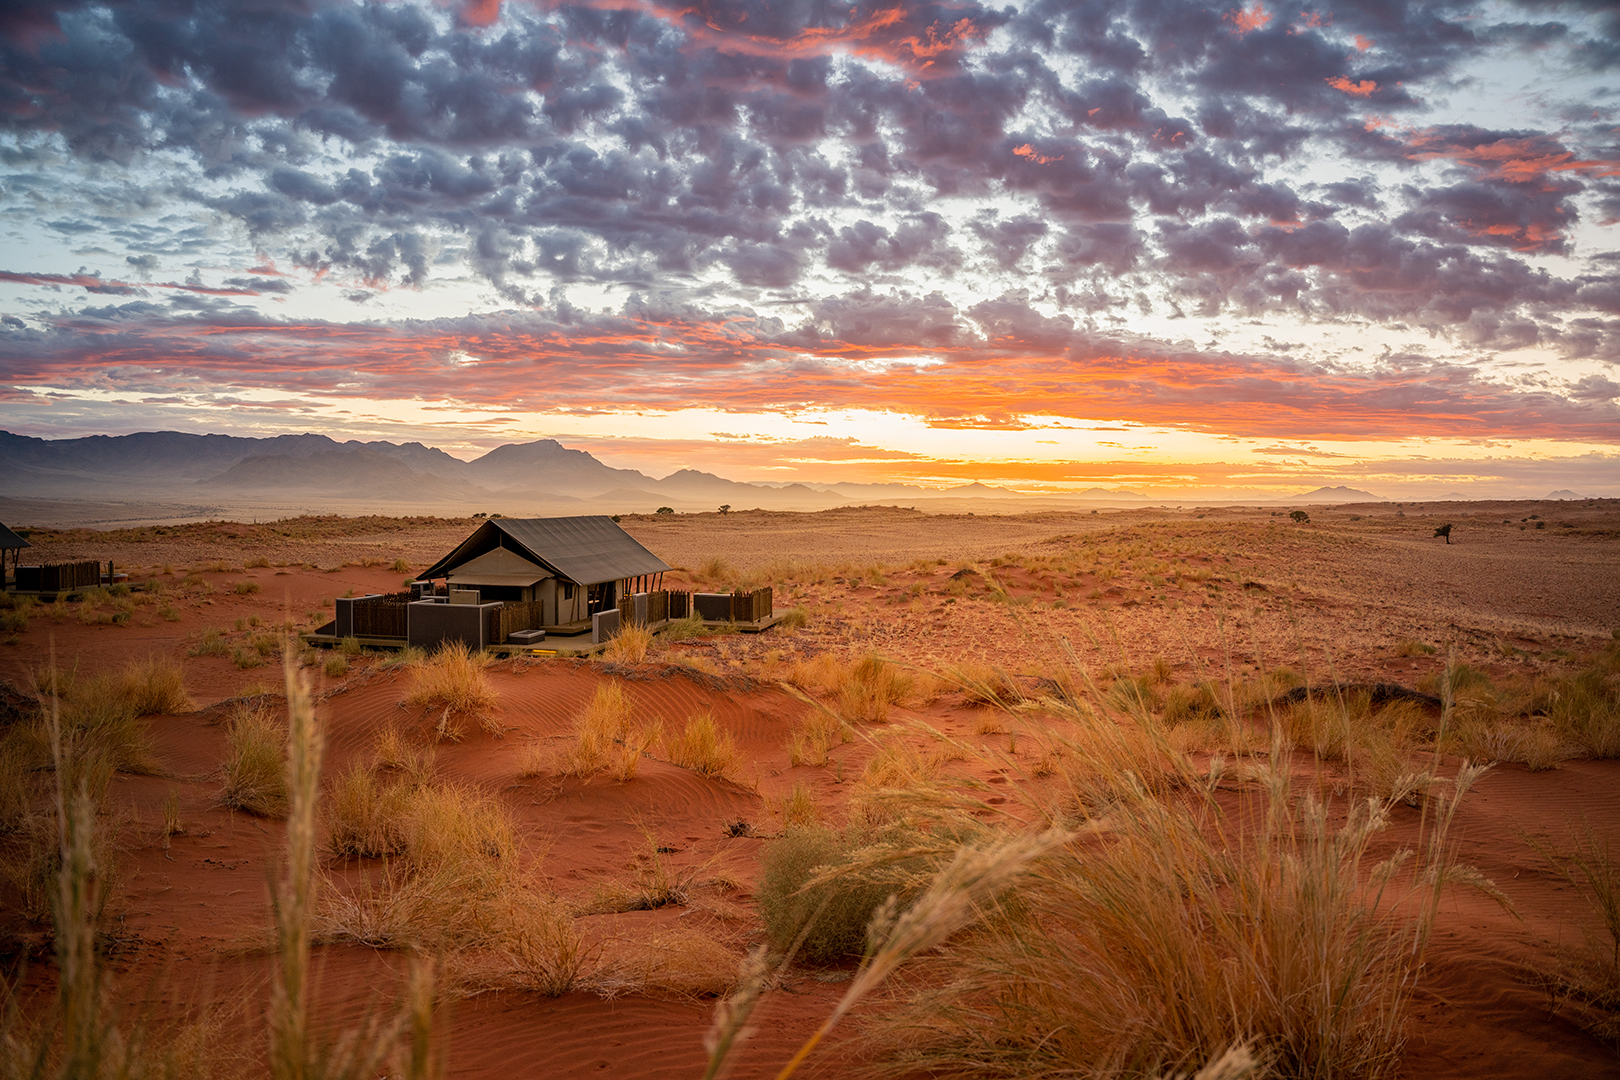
(401, 566)
(246, 588)
(715, 569)
(832, 914)
(454, 680)
(794, 618)
(703, 747)
(254, 773)
(814, 734)
(336, 666)
(1413, 647)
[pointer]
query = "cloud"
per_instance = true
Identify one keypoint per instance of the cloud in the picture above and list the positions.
(869, 165)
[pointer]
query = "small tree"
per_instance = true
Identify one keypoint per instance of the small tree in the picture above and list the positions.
(666, 509)
(1300, 516)
(725, 508)
(1445, 531)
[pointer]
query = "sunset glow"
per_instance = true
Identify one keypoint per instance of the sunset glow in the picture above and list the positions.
(1214, 251)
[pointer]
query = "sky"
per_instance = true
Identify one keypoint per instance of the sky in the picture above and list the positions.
(1177, 248)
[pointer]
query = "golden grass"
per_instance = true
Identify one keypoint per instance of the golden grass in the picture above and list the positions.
(454, 682)
(606, 739)
(681, 963)
(629, 645)
(1151, 943)
(453, 881)
(704, 747)
(814, 734)
(254, 773)
(365, 815)
(869, 687)
(982, 684)
(800, 808)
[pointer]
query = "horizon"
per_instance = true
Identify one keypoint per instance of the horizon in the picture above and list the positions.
(1208, 496)
(1229, 248)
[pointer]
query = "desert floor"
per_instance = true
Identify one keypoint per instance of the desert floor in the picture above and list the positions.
(1052, 603)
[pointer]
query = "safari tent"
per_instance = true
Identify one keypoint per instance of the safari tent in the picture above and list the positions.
(573, 566)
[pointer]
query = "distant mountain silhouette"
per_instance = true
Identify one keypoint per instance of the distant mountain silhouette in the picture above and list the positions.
(1565, 493)
(1337, 494)
(356, 473)
(547, 466)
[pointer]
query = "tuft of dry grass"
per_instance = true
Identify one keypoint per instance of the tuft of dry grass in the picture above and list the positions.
(869, 687)
(365, 815)
(982, 684)
(454, 682)
(254, 773)
(799, 808)
(606, 739)
(629, 645)
(1589, 978)
(683, 963)
(704, 747)
(815, 733)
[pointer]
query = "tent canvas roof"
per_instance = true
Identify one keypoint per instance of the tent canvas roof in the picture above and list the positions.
(9, 539)
(499, 566)
(584, 550)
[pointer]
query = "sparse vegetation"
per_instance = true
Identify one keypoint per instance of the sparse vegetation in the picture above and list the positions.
(629, 645)
(454, 683)
(704, 747)
(254, 773)
(606, 737)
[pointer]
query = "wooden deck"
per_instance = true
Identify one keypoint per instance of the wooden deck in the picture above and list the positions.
(572, 639)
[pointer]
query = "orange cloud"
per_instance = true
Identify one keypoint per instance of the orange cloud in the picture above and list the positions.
(1028, 151)
(881, 34)
(1516, 159)
(479, 12)
(1363, 43)
(1247, 20)
(1364, 88)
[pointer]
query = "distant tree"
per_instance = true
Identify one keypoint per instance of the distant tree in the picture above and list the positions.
(1300, 516)
(1445, 531)
(666, 509)
(616, 519)
(725, 508)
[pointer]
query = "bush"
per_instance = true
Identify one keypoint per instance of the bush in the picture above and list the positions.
(837, 911)
(247, 588)
(255, 768)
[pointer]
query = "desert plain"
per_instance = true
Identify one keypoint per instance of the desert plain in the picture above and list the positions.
(634, 827)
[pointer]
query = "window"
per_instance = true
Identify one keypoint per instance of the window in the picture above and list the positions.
(568, 590)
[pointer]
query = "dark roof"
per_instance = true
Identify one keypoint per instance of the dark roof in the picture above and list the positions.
(9, 539)
(584, 550)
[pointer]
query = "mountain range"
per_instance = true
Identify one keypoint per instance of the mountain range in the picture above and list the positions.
(316, 469)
